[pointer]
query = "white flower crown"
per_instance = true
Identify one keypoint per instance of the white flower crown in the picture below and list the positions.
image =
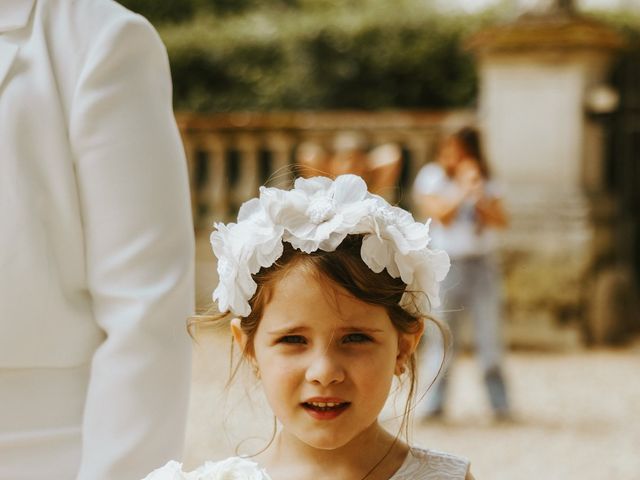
(317, 214)
(234, 468)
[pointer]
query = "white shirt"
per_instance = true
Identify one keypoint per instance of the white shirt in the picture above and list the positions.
(461, 238)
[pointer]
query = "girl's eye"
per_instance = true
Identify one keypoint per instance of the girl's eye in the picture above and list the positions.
(356, 338)
(292, 339)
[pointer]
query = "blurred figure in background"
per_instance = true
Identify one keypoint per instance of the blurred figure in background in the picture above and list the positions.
(96, 245)
(311, 160)
(458, 193)
(380, 166)
(350, 154)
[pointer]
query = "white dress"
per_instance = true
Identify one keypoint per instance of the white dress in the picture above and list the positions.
(420, 464)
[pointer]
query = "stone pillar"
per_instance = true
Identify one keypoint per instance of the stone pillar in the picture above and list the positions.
(535, 75)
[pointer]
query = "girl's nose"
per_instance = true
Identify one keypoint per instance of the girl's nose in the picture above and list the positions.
(324, 369)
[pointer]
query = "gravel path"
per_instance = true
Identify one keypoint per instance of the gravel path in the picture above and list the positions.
(577, 415)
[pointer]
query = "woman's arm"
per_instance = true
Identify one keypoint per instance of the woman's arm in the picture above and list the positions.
(491, 212)
(441, 208)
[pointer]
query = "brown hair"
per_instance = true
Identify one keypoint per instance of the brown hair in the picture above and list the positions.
(345, 268)
(468, 138)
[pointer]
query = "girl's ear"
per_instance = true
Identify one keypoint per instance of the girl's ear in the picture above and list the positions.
(241, 340)
(407, 345)
(238, 334)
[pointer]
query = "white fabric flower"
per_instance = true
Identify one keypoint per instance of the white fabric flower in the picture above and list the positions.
(426, 268)
(393, 231)
(242, 249)
(317, 214)
(234, 468)
(171, 471)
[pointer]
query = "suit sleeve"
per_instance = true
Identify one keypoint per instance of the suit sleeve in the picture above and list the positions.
(133, 189)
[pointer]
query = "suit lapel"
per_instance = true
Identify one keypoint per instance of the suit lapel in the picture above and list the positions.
(14, 15)
(7, 55)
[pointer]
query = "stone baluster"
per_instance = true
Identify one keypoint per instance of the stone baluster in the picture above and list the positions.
(248, 146)
(420, 145)
(382, 137)
(191, 148)
(280, 145)
(215, 192)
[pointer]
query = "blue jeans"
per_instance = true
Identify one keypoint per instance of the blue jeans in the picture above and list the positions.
(471, 289)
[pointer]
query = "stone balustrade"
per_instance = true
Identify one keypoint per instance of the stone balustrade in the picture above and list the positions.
(231, 154)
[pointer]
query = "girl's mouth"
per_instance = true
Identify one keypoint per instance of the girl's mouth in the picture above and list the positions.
(325, 410)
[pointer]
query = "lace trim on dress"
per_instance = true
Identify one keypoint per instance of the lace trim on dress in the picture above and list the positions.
(422, 464)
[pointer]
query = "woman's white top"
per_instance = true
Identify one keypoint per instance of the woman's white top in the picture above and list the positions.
(461, 238)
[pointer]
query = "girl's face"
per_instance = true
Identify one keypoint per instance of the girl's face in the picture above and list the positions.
(326, 360)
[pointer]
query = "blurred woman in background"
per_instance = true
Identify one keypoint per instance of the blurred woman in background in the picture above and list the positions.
(457, 192)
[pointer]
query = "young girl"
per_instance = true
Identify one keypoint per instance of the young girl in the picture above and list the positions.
(329, 287)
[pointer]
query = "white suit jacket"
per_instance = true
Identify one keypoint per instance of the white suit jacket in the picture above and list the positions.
(96, 245)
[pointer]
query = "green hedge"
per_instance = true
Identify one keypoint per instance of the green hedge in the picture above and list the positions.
(626, 23)
(175, 11)
(319, 54)
(316, 54)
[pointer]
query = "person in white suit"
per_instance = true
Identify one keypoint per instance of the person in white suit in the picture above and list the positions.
(96, 245)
